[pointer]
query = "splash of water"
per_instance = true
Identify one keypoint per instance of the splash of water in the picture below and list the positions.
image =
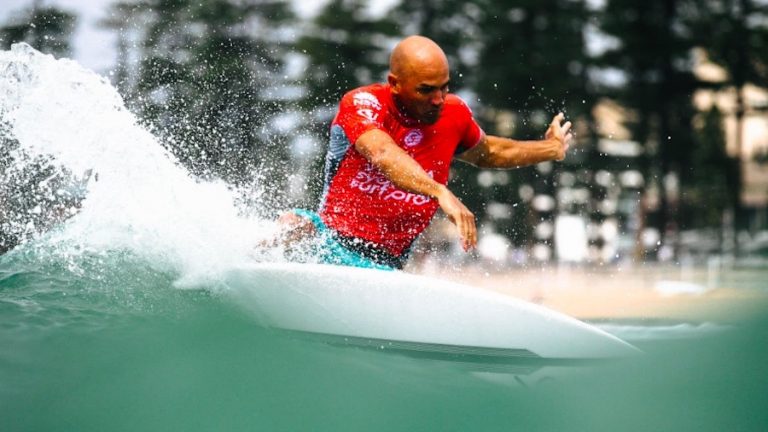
(135, 197)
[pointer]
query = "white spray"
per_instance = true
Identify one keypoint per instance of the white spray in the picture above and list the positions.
(138, 198)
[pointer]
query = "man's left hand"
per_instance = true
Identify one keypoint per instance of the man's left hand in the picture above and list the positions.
(560, 132)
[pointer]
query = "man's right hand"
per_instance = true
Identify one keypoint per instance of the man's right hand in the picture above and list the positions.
(292, 229)
(460, 216)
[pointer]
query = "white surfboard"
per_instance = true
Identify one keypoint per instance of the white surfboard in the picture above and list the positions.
(414, 315)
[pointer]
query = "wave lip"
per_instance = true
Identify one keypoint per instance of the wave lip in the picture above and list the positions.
(133, 194)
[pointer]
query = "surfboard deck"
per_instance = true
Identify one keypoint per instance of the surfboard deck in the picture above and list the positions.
(414, 315)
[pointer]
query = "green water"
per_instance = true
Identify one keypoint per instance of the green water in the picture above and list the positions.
(107, 343)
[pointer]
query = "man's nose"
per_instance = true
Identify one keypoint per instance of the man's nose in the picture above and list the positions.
(438, 98)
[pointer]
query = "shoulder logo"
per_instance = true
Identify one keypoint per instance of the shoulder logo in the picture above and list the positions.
(413, 137)
(368, 114)
(367, 100)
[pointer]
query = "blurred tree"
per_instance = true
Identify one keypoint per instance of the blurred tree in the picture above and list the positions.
(454, 25)
(714, 171)
(533, 64)
(210, 81)
(653, 55)
(534, 61)
(47, 29)
(122, 18)
(346, 47)
(734, 34)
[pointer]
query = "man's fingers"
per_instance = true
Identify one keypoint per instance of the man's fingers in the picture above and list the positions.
(566, 128)
(463, 233)
(462, 218)
(465, 224)
(469, 232)
(556, 120)
(472, 234)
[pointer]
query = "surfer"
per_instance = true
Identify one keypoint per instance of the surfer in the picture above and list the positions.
(387, 165)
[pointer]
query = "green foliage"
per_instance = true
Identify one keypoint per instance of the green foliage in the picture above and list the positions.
(454, 25)
(654, 55)
(713, 185)
(534, 61)
(653, 52)
(735, 35)
(345, 48)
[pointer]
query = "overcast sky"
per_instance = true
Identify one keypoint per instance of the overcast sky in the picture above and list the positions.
(93, 46)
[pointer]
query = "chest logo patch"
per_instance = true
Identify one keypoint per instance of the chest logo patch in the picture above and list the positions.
(413, 137)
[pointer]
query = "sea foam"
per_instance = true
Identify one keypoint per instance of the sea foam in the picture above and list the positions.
(136, 196)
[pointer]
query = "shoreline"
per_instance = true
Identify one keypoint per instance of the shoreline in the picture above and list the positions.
(649, 292)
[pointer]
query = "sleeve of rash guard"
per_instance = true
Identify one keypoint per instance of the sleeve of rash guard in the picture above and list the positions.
(472, 131)
(359, 112)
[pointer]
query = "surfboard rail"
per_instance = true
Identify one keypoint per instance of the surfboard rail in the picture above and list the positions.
(413, 314)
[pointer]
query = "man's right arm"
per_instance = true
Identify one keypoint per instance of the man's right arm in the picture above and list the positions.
(404, 172)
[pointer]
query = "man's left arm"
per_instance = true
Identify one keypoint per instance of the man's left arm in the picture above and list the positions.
(499, 152)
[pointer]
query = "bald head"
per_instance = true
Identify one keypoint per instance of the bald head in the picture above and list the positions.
(418, 78)
(415, 53)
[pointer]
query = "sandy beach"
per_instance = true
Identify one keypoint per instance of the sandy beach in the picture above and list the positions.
(652, 292)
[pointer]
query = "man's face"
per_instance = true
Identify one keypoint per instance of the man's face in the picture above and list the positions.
(421, 93)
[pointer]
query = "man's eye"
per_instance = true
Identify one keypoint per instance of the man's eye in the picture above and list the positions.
(425, 90)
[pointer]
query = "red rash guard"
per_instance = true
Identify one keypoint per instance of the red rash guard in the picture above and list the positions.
(358, 200)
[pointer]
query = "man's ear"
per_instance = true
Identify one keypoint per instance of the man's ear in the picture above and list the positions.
(393, 83)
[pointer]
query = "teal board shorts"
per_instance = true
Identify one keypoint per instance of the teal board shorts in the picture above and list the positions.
(330, 250)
